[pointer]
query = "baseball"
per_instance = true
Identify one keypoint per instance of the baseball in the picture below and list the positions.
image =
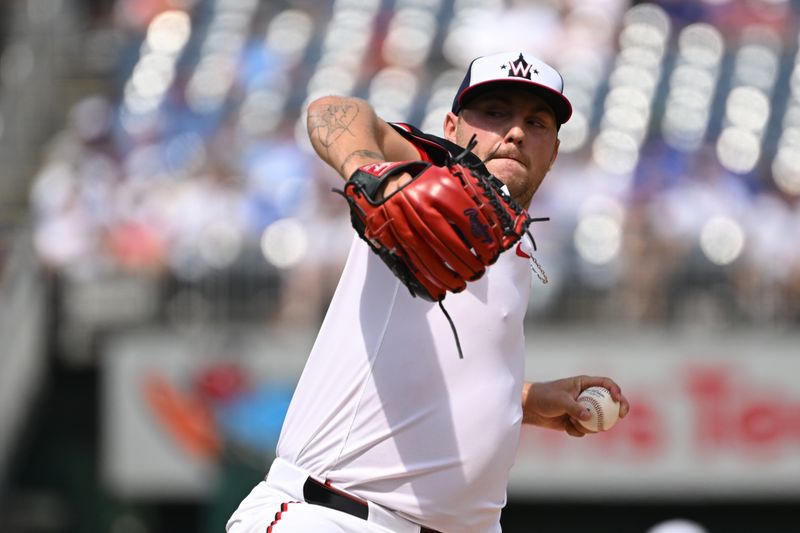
(605, 411)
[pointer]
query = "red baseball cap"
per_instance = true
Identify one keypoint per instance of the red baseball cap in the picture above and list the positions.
(518, 69)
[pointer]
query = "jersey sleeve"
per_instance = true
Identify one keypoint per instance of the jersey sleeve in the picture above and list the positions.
(431, 148)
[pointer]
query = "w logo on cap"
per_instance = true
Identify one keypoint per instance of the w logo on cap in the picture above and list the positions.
(514, 68)
(520, 68)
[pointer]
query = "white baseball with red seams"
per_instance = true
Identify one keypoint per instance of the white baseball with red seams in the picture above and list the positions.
(604, 410)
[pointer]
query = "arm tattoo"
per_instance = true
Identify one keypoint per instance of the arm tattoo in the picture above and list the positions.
(329, 123)
(359, 153)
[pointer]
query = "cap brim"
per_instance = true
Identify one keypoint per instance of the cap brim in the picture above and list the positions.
(562, 109)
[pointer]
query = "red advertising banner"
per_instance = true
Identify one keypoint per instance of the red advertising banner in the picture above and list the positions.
(712, 415)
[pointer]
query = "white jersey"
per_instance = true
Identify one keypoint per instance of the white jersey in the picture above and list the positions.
(386, 410)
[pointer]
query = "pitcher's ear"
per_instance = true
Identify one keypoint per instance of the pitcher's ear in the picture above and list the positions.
(555, 155)
(450, 126)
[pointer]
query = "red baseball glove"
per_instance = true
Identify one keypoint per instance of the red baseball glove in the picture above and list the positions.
(441, 229)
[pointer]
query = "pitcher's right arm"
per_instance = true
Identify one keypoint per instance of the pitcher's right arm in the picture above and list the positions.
(347, 134)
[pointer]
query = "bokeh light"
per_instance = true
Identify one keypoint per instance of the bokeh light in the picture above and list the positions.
(615, 151)
(289, 33)
(284, 243)
(701, 44)
(597, 238)
(786, 169)
(747, 108)
(574, 134)
(722, 240)
(169, 32)
(738, 150)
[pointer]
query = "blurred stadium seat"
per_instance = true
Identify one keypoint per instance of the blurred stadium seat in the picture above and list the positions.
(681, 161)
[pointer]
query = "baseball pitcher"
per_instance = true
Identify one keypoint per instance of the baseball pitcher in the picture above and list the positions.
(407, 415)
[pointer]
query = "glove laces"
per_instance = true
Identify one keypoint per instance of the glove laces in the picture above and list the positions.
(452, 327)
(536, 268)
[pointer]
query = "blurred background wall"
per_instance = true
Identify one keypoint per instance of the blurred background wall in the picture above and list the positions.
(169, 244)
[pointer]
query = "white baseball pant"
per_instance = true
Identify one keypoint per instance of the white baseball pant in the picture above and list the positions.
(277, 505)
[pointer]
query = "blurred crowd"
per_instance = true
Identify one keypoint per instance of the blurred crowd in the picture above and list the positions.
(675, 197)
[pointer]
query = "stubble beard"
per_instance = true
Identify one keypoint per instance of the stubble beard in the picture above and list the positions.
(519, 186)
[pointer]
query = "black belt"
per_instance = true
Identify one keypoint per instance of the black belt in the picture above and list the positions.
(322, 494)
